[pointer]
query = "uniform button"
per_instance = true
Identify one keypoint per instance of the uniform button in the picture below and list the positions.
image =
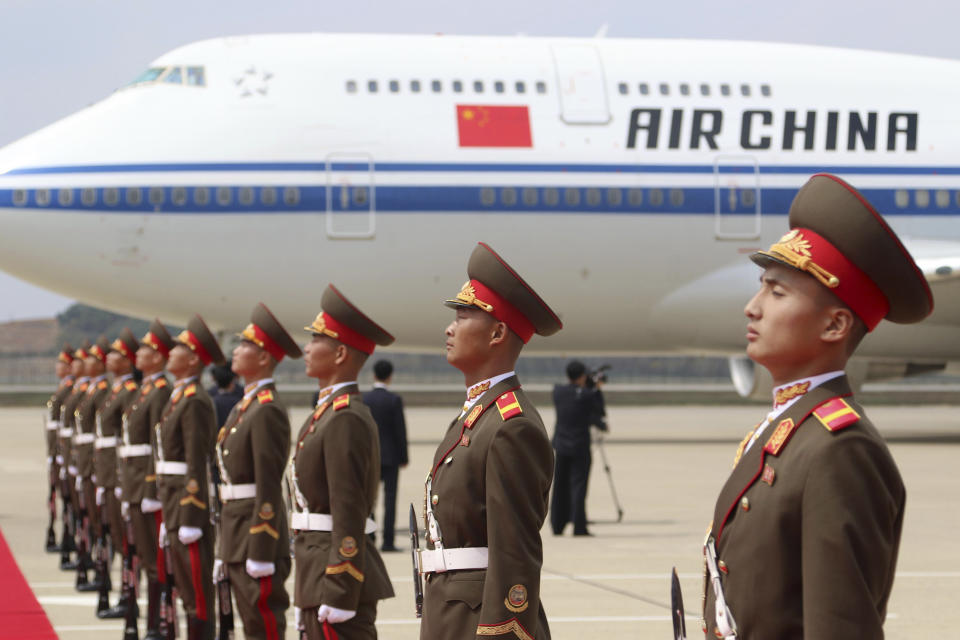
(226, 452)
(723, 567)
(745, 503)
(435, 499)
(234, 430)
(301, 445)
(448, 460)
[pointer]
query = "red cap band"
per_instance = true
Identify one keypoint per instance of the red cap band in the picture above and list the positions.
(98, 353)
(121, 346)
(856, 289)
(191, 341)
(153, 342)
(65, 357)
(266, 343)
(348, 336)
(504, 311)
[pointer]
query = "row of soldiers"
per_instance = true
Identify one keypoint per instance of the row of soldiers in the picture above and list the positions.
(805, 532)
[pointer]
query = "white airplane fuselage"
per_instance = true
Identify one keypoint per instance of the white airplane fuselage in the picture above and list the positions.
(628, 182)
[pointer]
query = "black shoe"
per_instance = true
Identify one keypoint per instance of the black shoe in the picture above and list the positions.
(582, 533)
(388, 548)
(68, 565)
(113, 613)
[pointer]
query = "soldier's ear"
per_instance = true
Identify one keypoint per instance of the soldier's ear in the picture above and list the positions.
(840, 325)
(342, 353)
(499, 333)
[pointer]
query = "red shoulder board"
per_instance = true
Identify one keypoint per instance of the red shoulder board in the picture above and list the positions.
(508, 405)
(190, 390)
(265, 396)
(102, 384)
(69, 383)
(83, 387)
(160, 383)
(780, 436)
(836, 414)
(341, 402)
(477, 410)
(129, 385)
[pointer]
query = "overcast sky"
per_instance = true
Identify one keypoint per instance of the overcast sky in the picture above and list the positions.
(60, 55)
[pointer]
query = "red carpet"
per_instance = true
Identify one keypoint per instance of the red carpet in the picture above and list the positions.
(20, 614)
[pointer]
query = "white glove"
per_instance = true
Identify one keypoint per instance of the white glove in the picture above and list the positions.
(334, 615)
(149, 505)
(118, 491)
(79, 483)
(189, 535)
(59, 459)
(256, 569)
(93, 478)
(100, 492)
(298, 619)
(63, 473)
(162, 534)
(219, 571)
(125, 510)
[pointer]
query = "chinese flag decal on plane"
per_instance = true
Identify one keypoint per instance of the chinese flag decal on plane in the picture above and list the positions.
(493, 126)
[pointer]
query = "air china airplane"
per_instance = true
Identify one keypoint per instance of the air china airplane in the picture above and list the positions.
(627, 180)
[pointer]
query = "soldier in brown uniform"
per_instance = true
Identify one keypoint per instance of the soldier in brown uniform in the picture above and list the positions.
(68, 470)
(95, 367)
(340, 576)
(109, 426)
(136, 473)
(805, 532)
(183, 443)
(52, 433)
(487, 491)
(252, 452)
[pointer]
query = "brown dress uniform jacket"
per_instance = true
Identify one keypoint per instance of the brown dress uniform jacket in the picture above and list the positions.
(337, 465)
(69, 420)
(253, 448)
(185, 433)
(138, 475)
(490, 481)
(808, 525)
(87, 424)
(54, 406)
(109, 421)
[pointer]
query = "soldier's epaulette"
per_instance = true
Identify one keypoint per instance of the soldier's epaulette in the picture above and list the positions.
(836, 414)
(341, 402)
(129, 385)
(265, 396)
(102, 385)
(83, 387)
(190, 390)
(508, 405)
(69, 383)
(160, 383)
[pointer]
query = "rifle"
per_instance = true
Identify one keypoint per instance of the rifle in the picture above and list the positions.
(676, 608)
(102, 576)
(83, 548)
(167, 626)
(67, 542)
(224, 603)
(51, 544)
(130, 581)
(414, 550)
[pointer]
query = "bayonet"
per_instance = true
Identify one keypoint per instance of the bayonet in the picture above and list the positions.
(676, 608)
(414, 554)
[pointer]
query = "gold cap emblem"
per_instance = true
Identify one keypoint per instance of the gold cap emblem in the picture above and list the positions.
(320, 326)
(794, 250)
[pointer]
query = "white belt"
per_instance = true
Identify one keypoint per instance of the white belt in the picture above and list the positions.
(440, 560)
(105, 442)
(72, 470)
(53, 425)
(301, 521)
(84, 438)
(171, 468)
(135, 450)
(59, 459)
(237, 491)
(66, 432)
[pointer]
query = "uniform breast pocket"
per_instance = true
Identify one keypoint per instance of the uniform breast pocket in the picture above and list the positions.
(467, 589)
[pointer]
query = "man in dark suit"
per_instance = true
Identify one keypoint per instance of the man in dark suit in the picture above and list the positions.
(387, 410)
(579, 406)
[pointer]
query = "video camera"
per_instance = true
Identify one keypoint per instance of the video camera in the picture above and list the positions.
(597, 375)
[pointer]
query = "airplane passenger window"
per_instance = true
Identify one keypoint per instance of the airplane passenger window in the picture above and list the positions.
(268, 196)
(360, 196)
(508, 196)
(436, 86)
(155, 195)
(372, 86)
(614, 197)
(901, 198)
(478, 86)
(351, 86)
(19, 197)
(644, 89)
(593, 197)
(224, 196)
(571, 196)
(65, 197)
(457, 86)
(922, 198)
(676, 197)
(201, 196)
(765, 90)
(111, 196)
(635, 197)
(394, 86)
(684, 89)
(541, 87)
(43, 197)
(943, 198)
(656, 197)
(664, 89)
(246, 196)
(551, 197)
(196, 77)
(529, 195)
(725, 90)
(498, 86)
(89, 197)
(745, 90)
(175, 76)
(178, 196)
(487, 196)
(704, 89)
(520, 86)
(415, 86)
(133, 196)
(622, 87)
(291, 196)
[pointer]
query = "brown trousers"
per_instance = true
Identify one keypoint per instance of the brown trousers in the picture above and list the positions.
(193, 574)
(359, 627)
(145, 537)
(261, 604)
(93, 511)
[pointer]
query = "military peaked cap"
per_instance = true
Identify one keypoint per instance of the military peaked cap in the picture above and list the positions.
(343, 321)
(198, 338)
(83, 351)
(126, 344)
(266, 332)
(100, 349)
(158, 338)
(66, 354)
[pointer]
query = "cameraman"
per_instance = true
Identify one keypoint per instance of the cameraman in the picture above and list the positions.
(579, 406)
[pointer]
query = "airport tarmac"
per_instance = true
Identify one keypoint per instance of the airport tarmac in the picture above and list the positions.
(667, 463)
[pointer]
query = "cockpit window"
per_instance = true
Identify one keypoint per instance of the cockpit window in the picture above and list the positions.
(174, 76)
(195, 77)
(149, 75)
(190, 76)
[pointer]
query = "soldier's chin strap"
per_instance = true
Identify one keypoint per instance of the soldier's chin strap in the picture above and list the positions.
(726, 625)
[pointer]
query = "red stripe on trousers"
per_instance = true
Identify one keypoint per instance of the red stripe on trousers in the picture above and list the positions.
(269, 621)
(328, 631)
(161, 558)
(196, 572)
